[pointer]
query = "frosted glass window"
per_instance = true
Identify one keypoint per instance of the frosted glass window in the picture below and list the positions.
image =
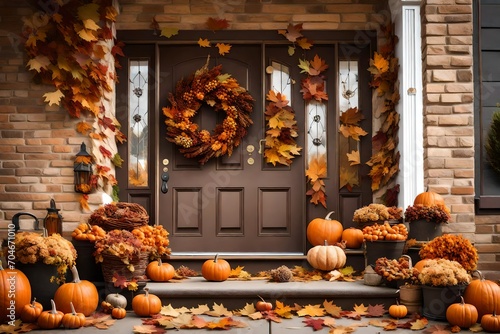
(281, 81)
(316, 129)
(138, 137)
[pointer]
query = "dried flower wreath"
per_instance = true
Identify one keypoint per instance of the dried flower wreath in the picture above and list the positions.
(222, 93)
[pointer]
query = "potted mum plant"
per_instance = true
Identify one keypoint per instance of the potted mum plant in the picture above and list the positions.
(443, 282)
(377, 213)
(426, 222)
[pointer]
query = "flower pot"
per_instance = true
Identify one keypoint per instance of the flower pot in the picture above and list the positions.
(391, 249)
(88, 269)
(436, 299)
(423, 230)
(411, 297)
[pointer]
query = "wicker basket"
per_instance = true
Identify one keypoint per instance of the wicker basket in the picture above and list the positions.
(120, 215)
(113, 264)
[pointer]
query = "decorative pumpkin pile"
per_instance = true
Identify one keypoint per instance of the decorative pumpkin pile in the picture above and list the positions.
(385, 231)
(87, 232)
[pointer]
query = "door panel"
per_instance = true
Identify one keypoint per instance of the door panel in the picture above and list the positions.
(228, 204)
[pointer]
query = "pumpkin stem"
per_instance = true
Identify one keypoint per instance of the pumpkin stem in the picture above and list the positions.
(410, 264)
(159, 262)
(326, 243)
(33, 302)
(480, 274)
(146, 291)
(54, 309)
(1, 266)
(73, 312)
(327, 217)
(261, 298)
(462, 302)
(76, 276)
(216, 258)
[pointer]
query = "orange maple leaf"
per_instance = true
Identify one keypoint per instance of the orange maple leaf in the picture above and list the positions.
(304, 43)
(204, 43)
(223, 48)
(311, 310)
(351, 116)
(317, 168)
(317, 65)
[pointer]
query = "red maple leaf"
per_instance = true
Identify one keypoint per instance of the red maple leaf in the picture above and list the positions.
(376, 311)
(217, 24)
(316, 324)
(107, 122)
(105, 152)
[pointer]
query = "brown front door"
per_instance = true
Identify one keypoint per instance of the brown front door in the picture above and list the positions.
(234, 203)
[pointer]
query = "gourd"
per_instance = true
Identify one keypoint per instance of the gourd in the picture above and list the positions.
(82, 293)
(31, 312)
(353, 237)
(216, 270)
(398, 310)
(491, 322)
(146, 305)
(461, 314)
(483, 294)
(321, 229)
(50, 319)
(116, 300)
(74, 319)
(159, 271)
(326, 257)
(262, 305)
(118, 313)
(21, 289)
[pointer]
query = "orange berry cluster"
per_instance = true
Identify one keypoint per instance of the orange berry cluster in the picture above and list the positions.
(155, 237)
(87, 232)
(385, 231)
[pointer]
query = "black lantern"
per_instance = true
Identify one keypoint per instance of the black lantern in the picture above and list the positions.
(83, 171)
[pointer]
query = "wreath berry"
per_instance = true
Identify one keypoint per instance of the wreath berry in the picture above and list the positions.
(222, 93)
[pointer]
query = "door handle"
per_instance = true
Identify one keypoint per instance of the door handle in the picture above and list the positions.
(164, 180)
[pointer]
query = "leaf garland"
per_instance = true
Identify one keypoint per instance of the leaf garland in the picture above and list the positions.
(280, 143)
(384, 69)
(73, 48)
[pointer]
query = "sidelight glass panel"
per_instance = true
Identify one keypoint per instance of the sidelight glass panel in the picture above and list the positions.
(316, 130)
(138, 137)
(348, 101)
(281, 81)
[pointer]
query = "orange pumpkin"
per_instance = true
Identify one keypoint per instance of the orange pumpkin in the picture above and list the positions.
(82, 293)
(216, 270)
(491, 323)
(74, 319)
(146, 305)
(420, 264)
(50, 319)
(398, 310)
(353, 237)
(483, 294)
(461, 314)
(321, 229)
(159, 271)
(14, 286)
(431, 198)
(118, 313)
(31, 312)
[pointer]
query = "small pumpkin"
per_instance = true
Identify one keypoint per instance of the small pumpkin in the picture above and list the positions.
(263, 306)
(159, 271)
(146, 305)
(216, 270)
(483, 294)
(116, 300)
(491, 322)
(31, 312)
(321, 229)
(82, 293)
(50, 319)
(22, 289)
(353, 237)
(398, 310)
(421, 264)
(326, 257)
(118, 313)
(74, 319)
(461, 314)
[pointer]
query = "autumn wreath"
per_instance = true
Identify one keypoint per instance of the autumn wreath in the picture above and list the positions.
(222, 93)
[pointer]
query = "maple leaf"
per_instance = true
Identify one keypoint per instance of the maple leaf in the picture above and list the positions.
(378, 64)
(169, 311)
(38, 63)
(376, 310)
(304, 43)
(292, 32)
(90, 25)
(204, 43)
(145, 329)
(361, 309)
(317, 65)
(257, 315)
(351, 116)
(105, 152)
(317, 168)
(169, 32)
(278, 98)
(217, 24)
(223, 48)
(201, 309)
(316, 324)
(248, 309)
(84, 202)
(352, 131)
(437, 329)
(311, 310)
(351, 315)
(353, 158)
(304, 65)
(53, 97)
(87, 35)
(419, 324)
(107, 123)
(219, 311)
(332, 309)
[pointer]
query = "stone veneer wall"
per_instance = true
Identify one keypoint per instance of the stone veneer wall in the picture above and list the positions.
(38, 142)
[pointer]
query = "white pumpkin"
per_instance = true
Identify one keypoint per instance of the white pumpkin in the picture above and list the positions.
(326, 257)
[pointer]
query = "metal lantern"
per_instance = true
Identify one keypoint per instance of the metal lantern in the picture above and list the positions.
(83, 171)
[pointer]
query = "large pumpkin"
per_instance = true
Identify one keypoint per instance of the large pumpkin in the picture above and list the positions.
(353, 237)
(216, 270)
(461, 314)
(82, 293)
(147, 304)
(321, 229)
(431, 198)
(326, 257)
(14, 287)
(483, 294)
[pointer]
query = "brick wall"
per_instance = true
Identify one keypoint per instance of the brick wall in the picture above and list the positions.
(38, 142)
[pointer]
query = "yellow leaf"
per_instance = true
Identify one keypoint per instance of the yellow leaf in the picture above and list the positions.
(282, 310)
(38, 63)
(291, 50)
(311, 310)
(219, 311)
(169, 311)
(419, 324)
(53, 97)
(361, 309)
(83, 127)
(380, 63)
(304, 43)
(353, 157)
(204, 43)
(87, 35)
(248, 309)
(223, 48)
(257, 315)
(201, 309)
(169, 32)
(91, 25)
(332, 309)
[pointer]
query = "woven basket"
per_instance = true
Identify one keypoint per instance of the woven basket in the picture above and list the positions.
(120, 215)
(113, 264)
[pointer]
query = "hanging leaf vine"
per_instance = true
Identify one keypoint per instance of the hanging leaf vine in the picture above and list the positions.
(73, 48)
(384, 161)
